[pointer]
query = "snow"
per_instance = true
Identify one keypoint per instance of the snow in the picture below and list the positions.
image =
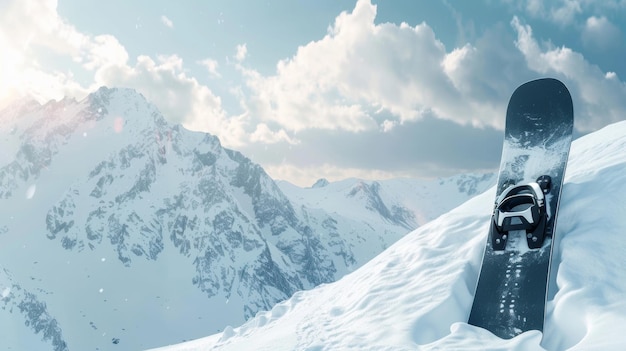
(417, 294)
(425, 199)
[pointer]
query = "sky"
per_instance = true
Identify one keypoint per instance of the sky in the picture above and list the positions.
(330, 88)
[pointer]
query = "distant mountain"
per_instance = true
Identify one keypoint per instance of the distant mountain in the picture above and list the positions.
(121, 230)
(320, 183)
(407, 203)
(417, 294)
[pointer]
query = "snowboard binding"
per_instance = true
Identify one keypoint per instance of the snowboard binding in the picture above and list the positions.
(521, 207)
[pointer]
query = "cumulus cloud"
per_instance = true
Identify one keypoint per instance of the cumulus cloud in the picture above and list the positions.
(263, 134)
(360, 69)
(102, 50)
(600, 34)
(164, 81)
(375, 80)
(561, 12)
(535, 7)
(598, 96)
(211, 66)
(565, 13)
(32, 25)
(342, 104)
(181, 98)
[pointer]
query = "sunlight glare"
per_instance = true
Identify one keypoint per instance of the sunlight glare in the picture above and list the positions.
(10, 70)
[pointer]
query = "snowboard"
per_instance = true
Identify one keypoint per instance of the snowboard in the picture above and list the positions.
(511, 292)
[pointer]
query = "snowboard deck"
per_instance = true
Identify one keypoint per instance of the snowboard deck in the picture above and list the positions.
(511, 292)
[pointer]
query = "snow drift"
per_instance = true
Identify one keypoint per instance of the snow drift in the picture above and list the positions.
(417, 294)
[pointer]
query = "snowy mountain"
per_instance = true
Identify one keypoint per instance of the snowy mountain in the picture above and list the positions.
(418, 293)
(409, 203)
(122, 231)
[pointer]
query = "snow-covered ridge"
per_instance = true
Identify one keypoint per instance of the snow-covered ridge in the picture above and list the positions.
(97, 195)
(417, 294)
(406, 202)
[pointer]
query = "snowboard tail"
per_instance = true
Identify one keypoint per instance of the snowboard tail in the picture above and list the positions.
(511, 291)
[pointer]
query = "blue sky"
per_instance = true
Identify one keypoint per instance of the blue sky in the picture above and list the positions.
(334, 89)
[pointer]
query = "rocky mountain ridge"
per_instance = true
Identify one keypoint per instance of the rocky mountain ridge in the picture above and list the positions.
(113, 216)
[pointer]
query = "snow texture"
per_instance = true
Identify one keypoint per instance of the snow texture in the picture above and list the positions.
(417, 294)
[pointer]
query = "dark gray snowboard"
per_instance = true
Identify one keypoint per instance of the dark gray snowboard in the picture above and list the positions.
(511, 292)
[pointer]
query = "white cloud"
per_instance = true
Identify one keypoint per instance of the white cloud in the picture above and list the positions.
(566, 12)
(561, 12)
(344, 80)
(31, 25)
(388, 125)
(360, 77)
(181, 98)
(11, 61)
(263, 134)
(211, 66)
(598, 96)
(164, 81)
(167, 22)
(600, 34)
(103, 50)
(242, 52)
(535, 7)
(364, 77)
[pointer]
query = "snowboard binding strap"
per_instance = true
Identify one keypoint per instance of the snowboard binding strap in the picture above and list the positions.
(520, 207)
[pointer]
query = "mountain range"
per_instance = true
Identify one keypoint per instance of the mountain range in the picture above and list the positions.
(120, 230)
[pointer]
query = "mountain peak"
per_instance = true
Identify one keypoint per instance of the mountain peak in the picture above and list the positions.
(320, 183)
(19, 107)
(108, 179)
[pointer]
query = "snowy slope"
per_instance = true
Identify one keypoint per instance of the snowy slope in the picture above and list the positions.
(417, 294)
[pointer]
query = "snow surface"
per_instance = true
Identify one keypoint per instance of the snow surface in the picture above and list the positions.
(418, 293)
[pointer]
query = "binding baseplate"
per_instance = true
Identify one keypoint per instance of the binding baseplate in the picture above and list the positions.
(521, 207)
